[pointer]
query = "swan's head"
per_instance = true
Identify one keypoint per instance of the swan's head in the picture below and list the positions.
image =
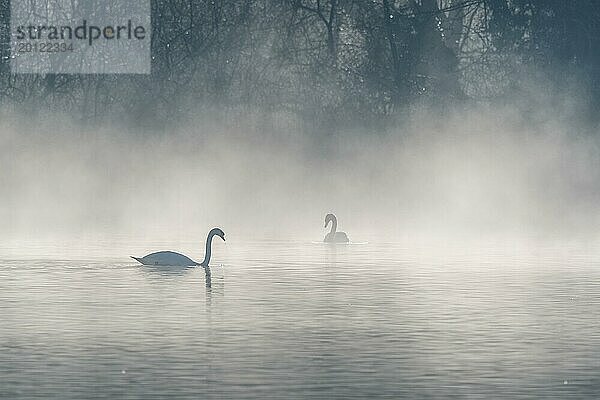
(217, 232)
(328, 218)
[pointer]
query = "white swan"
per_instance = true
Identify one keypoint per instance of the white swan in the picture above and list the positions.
(333, 236)
(170, 258)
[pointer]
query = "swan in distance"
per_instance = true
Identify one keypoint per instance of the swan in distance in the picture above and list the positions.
(170, 258)
(333, 236)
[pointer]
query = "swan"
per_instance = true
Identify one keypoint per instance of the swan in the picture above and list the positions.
(170, 258)
(333, 236)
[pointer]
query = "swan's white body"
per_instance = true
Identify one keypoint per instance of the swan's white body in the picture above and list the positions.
(165, 258)
(170, 258)
(337, 237)
(333, 236)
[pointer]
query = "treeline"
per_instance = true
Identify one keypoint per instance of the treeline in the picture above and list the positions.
(332, 61)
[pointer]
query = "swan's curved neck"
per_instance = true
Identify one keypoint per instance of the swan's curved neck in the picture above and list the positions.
(333, 225)
(208, 250)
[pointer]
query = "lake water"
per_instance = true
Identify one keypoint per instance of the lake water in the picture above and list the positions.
(302, 320)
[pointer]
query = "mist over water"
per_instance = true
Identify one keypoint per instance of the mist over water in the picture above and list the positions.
(478, 173)
(456, 142)
(472, 271)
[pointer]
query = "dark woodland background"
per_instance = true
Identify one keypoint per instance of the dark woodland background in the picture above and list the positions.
(334, 63)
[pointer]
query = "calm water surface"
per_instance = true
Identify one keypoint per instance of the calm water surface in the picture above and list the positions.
(303, 320)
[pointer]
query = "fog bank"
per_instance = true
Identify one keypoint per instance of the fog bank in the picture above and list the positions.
(481, 173)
